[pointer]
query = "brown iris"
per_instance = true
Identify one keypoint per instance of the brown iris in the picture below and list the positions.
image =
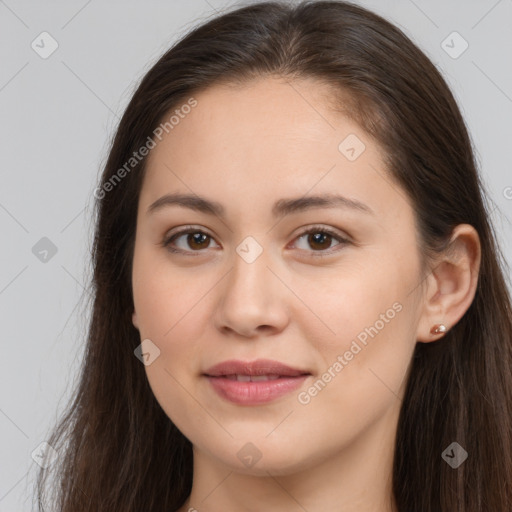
(319, 238)
(199, 239)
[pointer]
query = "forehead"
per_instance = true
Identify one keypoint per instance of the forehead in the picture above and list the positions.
(267, 135)
(256, 117)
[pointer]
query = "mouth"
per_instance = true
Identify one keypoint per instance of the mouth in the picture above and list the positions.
(254, 382)
(250, 378)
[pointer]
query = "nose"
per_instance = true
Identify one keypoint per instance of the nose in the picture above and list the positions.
(252, 301)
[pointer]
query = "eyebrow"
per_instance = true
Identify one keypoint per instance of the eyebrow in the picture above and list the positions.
(281, 207)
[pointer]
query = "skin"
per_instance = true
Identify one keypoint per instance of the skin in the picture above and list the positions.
(247, 147)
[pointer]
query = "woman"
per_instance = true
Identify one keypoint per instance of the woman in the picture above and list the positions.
(299, 300)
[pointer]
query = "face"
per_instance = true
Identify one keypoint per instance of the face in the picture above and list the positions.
(330, 290)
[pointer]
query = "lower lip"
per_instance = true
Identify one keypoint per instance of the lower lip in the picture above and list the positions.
(254, 393)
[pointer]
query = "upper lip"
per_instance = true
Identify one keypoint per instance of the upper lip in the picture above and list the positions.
(256, 367)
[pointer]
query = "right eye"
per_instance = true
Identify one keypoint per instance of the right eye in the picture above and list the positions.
(195, 239)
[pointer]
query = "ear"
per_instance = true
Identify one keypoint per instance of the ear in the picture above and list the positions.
(451, 286)
(134, 320)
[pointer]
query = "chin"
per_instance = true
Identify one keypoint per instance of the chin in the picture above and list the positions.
(259, 458)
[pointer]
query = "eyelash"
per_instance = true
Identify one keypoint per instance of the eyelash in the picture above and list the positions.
(314, 229)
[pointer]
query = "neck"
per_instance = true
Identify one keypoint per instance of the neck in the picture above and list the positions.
(358, 478)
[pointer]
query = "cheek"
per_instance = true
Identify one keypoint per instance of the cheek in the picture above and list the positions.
(368, 321)
(172, 315)
(363, 377)
(168, 306)
(343, 304)
(163, 295)
(173, 375)
(174, 394)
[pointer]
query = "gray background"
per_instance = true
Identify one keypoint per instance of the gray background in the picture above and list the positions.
(57, 116)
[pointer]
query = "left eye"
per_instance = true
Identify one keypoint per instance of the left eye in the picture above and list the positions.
(321, 238)
(318, 238)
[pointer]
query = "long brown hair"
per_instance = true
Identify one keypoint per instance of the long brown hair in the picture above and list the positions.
(118, 449)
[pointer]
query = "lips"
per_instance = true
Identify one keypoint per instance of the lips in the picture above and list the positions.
(259, 367)
(254, 382)
(251, 378)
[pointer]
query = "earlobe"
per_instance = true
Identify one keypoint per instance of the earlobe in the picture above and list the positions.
(438, 329)
(134, 320)
(451, 287)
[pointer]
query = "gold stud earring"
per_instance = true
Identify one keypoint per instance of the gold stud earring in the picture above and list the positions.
(438, 329)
